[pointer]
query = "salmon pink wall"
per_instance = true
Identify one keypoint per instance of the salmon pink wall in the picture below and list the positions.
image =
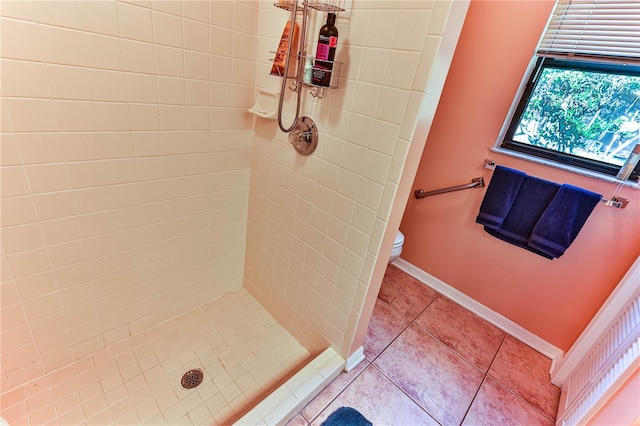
(552, 299)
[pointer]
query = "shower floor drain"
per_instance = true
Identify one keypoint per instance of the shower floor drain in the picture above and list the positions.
(191, 378)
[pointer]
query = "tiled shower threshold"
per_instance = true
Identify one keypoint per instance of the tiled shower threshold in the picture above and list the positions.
(246, 357)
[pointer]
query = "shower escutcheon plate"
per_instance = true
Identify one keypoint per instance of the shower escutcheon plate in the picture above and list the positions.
(304, 137)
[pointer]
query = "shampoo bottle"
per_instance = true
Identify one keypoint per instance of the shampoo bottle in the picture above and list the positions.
(308, 71)
(279, 61)
(325, 52)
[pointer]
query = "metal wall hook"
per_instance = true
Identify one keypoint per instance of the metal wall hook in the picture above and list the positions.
(318, 92)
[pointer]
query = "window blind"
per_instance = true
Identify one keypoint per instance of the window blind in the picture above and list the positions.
(605, 30)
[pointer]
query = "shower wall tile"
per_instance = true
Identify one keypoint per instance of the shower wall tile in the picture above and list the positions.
(98, 18)
(196, 10)
(75, 116)
(122, 207)
(35, 285)
(378, 19)
(196, 65)
(438, 18)
(366, 98)
(21, 238)
(134, 22)
(63, 46)
(395, 170)
(373, 66)
(167, 29)
(412, 30)
(24, 79)
(403, 69)
(63, 15)
(376, 166)
(106, 53)
(9, 153)
(222, 14)
(14, 181)
(169, 61)
(20, 9)
(196, 33)
(18, 210)
(245, 17)
(418, 4)
(392, 105)
(316, 223)
(138, 56)
(23, 110)
(68, 82)
(221, 41)
(411, 116)
(29, 47)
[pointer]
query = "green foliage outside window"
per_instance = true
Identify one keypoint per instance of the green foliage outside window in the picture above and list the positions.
(589, 114)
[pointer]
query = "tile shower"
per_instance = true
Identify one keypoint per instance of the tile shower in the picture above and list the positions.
(137, 191)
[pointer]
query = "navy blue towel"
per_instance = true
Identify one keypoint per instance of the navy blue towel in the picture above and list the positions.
(529, 205)
(500, 195)
(346, 416)
(563, 219)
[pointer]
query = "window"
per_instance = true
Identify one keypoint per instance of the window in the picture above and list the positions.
(580, 105)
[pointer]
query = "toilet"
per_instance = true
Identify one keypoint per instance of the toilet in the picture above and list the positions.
(397, 247)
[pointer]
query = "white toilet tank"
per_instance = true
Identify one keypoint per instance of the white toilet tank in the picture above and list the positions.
(397, 246)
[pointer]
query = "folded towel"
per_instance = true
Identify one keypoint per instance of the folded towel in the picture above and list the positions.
(346, 416)
(500, 195)
(562, 220)
(530, 203)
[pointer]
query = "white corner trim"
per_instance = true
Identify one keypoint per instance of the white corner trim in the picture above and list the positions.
(356, 358)
(503, 323)
(628, 286)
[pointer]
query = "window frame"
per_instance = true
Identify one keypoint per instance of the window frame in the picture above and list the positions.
(505, 139)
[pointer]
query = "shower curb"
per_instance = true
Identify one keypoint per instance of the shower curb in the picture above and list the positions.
(286, 401)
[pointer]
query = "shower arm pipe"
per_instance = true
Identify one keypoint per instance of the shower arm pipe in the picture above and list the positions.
(283, 87)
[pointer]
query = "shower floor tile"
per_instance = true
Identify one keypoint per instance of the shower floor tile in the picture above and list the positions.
(243, 352)
(442, 365)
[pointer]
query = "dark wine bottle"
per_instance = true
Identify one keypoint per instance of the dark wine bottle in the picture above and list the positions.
(325, 52)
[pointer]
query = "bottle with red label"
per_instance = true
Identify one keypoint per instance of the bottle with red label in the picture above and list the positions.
(325, 52)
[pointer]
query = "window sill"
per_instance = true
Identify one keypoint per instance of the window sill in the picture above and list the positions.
(576, 170)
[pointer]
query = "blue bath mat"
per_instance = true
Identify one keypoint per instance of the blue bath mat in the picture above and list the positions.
(346, 416)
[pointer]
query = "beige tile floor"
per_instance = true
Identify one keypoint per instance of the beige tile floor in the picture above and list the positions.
(429, 361)
(242, 350)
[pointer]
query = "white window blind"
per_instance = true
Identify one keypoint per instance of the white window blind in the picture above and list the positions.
(606, 30)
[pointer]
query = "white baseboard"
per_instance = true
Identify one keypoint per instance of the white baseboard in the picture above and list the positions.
(356, 358)
(503, 323)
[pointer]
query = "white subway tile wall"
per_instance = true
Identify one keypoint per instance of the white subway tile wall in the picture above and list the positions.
(316, 223)
(122, 207)
(136, 186)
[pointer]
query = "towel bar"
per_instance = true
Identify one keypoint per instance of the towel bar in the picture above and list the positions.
(615, 201)
(475, 183)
